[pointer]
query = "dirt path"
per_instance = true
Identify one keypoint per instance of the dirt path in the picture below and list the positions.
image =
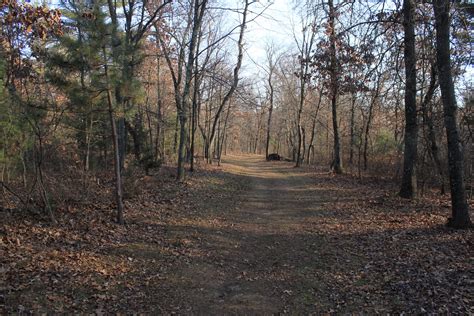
(304, 241)
(260, 256)
(251, 237)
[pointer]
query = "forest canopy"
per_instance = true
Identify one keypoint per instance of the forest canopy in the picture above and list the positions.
(93, 91)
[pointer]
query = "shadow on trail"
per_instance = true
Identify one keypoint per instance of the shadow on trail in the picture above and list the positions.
(237, 271)
(286, 248)
(293, 244)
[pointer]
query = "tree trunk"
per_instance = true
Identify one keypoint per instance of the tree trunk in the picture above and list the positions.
(216, 139)
(270, 111)
(118, 175)
(223, 137)
(122, 139)
(311, 140)
(117, 45)
(427, 110)
(460, 209)
(337, 162)
(408, 187)
(352, 132)
(182, 143)
(199, 9)
(369, 122)
(313, 127)
(303, 144)
(150, 141)
(298, 118)
(257, 133)
(159, 142)
(38, 159)
(194, 112)
(137, 141)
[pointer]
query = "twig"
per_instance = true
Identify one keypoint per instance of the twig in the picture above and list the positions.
(12, 192)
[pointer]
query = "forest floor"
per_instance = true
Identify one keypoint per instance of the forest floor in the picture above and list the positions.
(251, 237)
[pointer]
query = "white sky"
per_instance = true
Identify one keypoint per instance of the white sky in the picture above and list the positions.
(273, 26)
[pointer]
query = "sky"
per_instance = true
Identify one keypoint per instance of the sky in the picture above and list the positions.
(276, 26)
(273, 26)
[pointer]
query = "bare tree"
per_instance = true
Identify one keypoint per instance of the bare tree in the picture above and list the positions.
(182, 71)
(460, 209)
(409, 186)
(334, 90)
(271, 64)
(235, 82)
(114, 134)
(305, 50)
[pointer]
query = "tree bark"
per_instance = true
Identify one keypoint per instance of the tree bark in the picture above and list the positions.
(194, 114)
(313, 128)
(117, 169)
(300, 112)
(460, 209)
(159, 151)
(270, 109)
(369, 122)
(306, 50)
(137, 141)
(311, 140)
(337, 162)
(223, 137)
(426, 107)
(199, 9)
(352, 130)
(409, 186)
